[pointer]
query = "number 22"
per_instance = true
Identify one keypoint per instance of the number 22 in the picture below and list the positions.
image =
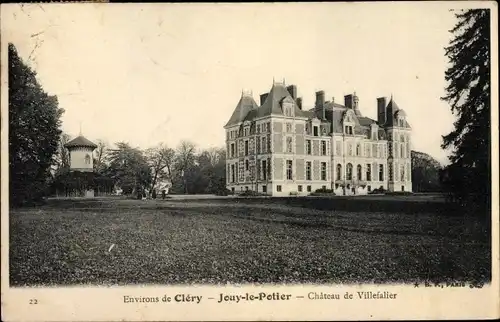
(33, 301)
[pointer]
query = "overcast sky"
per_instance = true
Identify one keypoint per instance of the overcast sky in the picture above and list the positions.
(166, 72)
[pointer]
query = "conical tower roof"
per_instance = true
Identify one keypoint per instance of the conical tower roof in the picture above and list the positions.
(80, 141)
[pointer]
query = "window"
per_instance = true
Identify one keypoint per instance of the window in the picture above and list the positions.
(308, 188)
(246, 188)
(348, 129)
(381, 172)
(315, 129)
(288, 127)
(369, 188)
(402, 173)
(299, 188)
(258, 128)
(278, 188)
(339, 171)
(233, 173)
(232, 150)
(349, 149)
(308, 146)
(349, 172)
(257, 148)
(323, 147)
(308, 170)
(247, 165)
(263, 145)
(360, 172)
(264, 189)
(358, 149)
(236, 171)
(289, 146)
(323, 171)
(368, 172)
(264, 170)
(403, 188)
(245, 132)
(232, 189)
(87, 159)
(337, 148)
(268, 126)
(289, 170)
(323, 187)
(402, 150)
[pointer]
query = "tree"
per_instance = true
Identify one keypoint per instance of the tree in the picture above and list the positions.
(160, 159)
(468, 93)
(101, 154)
(61, 158)
(425, 173)
(128, 167)
(34, 132)
(184, 161)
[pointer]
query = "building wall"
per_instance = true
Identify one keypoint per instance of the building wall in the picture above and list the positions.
(269, 142)
(79, 158)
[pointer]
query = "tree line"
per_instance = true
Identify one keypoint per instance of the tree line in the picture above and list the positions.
(186, 169)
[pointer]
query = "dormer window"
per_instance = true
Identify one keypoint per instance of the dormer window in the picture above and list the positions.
(315, 131)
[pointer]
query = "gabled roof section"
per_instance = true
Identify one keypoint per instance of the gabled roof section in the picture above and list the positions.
(272, 104)
(80, 141)
(244, 107)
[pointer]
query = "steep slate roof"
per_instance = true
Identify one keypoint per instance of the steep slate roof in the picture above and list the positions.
(245, 105)
(80, 141)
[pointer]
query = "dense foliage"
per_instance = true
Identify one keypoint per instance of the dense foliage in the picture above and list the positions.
(425, 171)
(468, 177)
(34, 132)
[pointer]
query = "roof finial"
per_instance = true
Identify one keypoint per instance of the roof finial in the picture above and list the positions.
(284, 81)
(80, 128)
(273, 81)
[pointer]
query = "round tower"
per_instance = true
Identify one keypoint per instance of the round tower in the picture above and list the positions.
(80, 154)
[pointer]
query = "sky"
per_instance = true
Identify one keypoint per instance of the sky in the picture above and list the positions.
(151, 73)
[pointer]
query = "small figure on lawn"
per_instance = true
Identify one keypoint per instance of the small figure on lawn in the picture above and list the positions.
(154, 194)
(163, 194)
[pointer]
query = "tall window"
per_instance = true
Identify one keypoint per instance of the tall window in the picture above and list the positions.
(358, 149)
(315, 131)
(289, 146)
(236, 172)
(380, 172)
(233, 174)
(339, 171)
(323, 147)
(360, 174)
(87, 159)
(264, 170)
(246, 147)
(308, 146)
(349, 149)
(368, 172)
(402, 172)
(349, 172)
(263, 145)
(232, 150)
(258, 128)
(247, 165)
(402, 150)
(348, 129)
(289, 170)
(288, 127)
(323, 171)
(308, 170)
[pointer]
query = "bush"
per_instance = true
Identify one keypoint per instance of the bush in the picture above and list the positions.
(324, 190)
(251, 193)
(224, 192)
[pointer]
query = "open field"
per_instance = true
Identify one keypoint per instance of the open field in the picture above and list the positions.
(255, 240)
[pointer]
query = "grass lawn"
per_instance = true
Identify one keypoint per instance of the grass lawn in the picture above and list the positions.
(237, 241)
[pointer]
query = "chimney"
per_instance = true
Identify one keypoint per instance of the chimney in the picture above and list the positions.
(320, 104)
(263, 98)
(292, 89)
(299, 102)
(381, 110)
(349, 101)
(356, 105)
